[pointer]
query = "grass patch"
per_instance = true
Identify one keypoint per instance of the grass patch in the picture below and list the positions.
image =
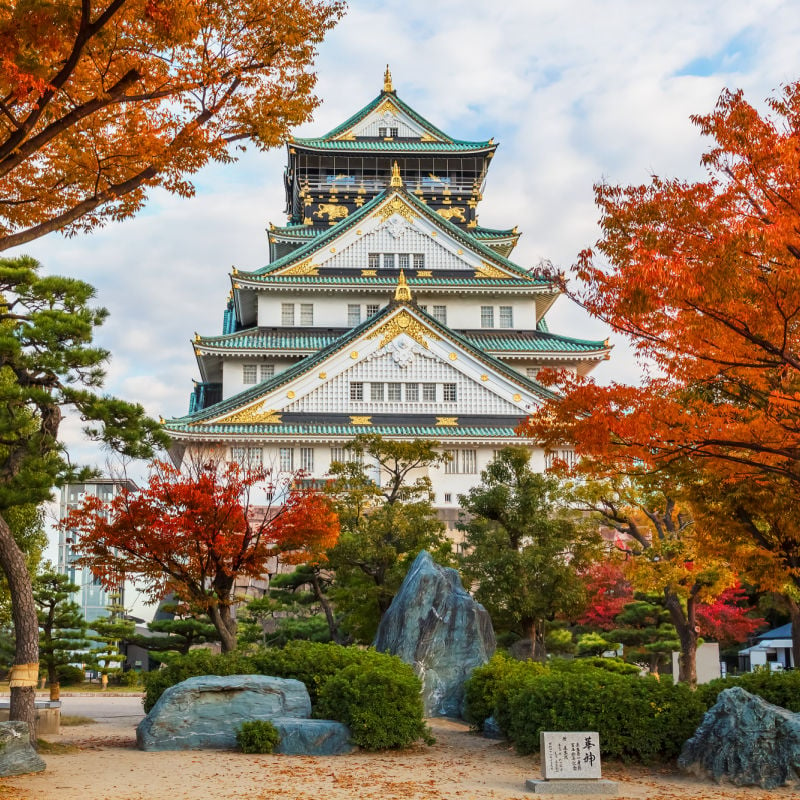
(55, 748)
(70, 720)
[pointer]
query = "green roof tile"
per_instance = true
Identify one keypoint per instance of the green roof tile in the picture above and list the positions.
(310, 429)
(395, 145)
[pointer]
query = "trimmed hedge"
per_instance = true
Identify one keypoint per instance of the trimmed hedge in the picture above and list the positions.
(375, 694)
(638, 719)
(780, 688)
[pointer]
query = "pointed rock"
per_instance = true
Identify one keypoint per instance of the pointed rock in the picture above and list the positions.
(436, 626)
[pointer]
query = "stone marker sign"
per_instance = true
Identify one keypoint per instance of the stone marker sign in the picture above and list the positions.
(570, 754)
(570, 764)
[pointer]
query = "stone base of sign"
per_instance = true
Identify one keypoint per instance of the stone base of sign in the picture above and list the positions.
(608, 788)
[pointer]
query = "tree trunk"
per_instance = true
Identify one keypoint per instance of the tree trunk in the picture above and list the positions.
(794, 614)
(538, 649)
(333, 628)
(685, 624)
(225, 624)
(26, 628)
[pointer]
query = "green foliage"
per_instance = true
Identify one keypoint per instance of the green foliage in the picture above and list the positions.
(379, 695)
(258, 736)
(780, 688)
(380, 702)
(62, 627)
(525, 547)
(646, 632)
(639, 719)
(68, 675)
(558, 641)
(384, 526)
(188, 628)
(593, 644)
(109, 633)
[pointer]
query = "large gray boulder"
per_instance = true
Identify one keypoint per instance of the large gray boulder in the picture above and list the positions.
(207, 711)
(313, 737)
(17, 755)
(745, 740)
(435, 625)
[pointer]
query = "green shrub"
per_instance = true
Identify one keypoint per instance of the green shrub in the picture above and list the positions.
(596, 662)
(379, 701)
(482, 690)
(780, 688)
(69, 675)
(258, 736)
(638, 719)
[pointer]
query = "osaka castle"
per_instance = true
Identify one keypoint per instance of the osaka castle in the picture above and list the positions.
(385, 308)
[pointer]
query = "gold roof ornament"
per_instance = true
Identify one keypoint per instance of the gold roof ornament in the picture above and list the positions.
(387, 80)
(396, 180)
(402, 292)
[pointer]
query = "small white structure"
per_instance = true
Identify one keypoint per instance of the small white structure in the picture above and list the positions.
(772, 649)
(707, 662)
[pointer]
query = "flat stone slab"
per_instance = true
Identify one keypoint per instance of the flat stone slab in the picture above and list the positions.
(17, 756)
(205, 712)
(609, 788)
(313, 737)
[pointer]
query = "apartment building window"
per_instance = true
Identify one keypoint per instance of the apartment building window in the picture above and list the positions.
(487, 316)
(307, 459)
(286, 459)
(374, 260)
(249, 374)
(506, 317)
(440, 314)
(356, 390)
(353, 314)
(287, 313)
(372, 309)
(403, 260)
(388, 261)
(394, 392)
(306, 313)
(267, 371)
(449, 393)
(429, 392)
(376, 392)
(419, 260)
(412, 392)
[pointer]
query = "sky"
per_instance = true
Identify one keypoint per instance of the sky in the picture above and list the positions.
(576, 92)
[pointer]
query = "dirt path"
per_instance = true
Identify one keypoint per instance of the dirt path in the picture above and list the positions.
(461, 766)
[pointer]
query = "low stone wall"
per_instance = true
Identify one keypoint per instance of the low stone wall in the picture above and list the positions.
(48, 715)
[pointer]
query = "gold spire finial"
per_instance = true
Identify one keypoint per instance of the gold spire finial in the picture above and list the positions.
(396, 179)
(402, 292)
(387, 80)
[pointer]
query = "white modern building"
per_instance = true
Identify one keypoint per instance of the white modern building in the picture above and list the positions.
(385, 308)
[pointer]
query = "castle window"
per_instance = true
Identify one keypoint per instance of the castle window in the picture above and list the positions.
(267, 371)
(448, 497)
(247, 456)
(440, 314)
(506, 317)
(419, 260)
(394, 392)
(286, 459)
(393, 132)
(287, 313)
(249, 374)
(412, 392)
(372, 310)
(388, 260)
(532, 372)
(337, 454)
(429, 392)
(469, 461)
(449, 394)
(356, 390)
(307, 459)
(306, 313)
(487, 316)
(451, 465)
(374, 260)
(403, 260)
(382, 133)
(353, 314)
(376, 392)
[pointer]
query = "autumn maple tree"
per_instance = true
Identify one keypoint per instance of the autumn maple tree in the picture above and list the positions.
(101, 100)
(195, 532)
(704, 279)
